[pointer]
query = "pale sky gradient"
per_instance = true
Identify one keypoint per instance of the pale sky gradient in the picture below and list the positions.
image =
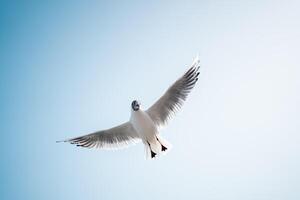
(72, 67)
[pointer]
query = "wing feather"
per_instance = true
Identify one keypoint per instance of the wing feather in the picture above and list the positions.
(116, 137)
(172, 100)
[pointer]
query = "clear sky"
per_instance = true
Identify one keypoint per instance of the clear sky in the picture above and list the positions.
(72, 67)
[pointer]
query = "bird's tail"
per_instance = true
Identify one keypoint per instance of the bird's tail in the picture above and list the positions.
(156, 147)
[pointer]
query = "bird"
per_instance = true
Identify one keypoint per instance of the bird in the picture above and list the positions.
(144, 125)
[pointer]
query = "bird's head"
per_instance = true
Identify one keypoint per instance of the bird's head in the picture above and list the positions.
(135, 105)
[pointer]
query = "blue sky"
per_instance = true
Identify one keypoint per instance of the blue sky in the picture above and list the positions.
(72, 67)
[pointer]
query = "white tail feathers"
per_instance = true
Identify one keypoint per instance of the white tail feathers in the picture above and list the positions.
(156, 147)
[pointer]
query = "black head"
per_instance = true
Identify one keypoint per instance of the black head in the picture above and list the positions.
(135, 105)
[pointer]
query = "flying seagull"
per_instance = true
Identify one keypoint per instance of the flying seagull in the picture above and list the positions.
(144, 125)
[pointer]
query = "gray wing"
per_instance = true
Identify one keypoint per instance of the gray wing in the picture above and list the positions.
(161, 111)
(116, 137)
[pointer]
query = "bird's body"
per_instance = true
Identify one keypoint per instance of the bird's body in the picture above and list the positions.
(144, 125)
(146, 130)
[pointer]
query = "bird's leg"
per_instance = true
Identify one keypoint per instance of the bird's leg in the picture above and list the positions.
(152, 153)
(163, 148)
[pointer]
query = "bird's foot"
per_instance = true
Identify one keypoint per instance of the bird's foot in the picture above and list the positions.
(153, 154)
(163, 148)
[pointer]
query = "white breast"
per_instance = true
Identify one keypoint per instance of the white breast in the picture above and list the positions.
(143, 124)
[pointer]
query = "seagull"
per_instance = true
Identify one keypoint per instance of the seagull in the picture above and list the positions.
(144, 125)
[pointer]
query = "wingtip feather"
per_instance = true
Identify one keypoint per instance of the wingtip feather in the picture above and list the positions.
(196, 61)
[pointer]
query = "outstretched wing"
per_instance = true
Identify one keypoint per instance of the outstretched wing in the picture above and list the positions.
(116, 137)
(161, 111)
